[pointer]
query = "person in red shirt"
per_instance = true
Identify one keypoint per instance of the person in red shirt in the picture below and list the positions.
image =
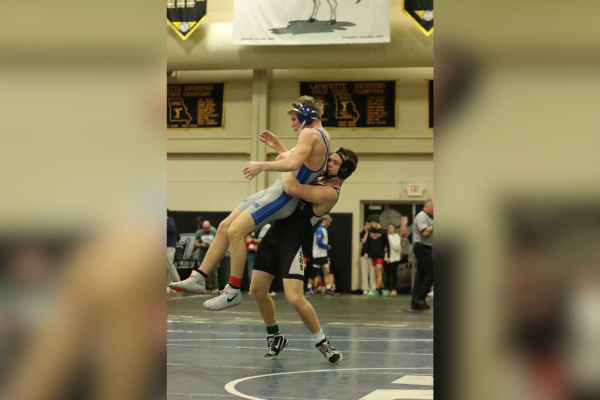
(377, 245)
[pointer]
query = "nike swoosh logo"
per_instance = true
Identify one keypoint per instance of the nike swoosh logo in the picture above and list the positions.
(229, 299)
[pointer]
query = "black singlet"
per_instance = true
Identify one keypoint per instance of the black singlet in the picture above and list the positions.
(280, 248)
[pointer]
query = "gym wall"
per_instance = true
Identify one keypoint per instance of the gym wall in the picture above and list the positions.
(204, 165)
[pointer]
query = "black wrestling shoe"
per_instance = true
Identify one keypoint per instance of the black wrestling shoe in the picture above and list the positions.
(419, 305)
(276, 344)
(333, 355)
(423, 304)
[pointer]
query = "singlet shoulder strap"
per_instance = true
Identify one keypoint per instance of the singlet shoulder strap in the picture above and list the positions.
(326, 145)
(338, 197)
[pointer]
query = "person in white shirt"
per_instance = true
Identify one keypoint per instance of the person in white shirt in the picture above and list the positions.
(392, 260)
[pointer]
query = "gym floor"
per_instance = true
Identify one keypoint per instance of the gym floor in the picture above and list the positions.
(387, 350)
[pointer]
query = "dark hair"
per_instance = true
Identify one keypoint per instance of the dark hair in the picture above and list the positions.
(373, 218)
(168, 213)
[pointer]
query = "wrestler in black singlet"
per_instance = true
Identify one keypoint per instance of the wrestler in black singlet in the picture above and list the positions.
(281, 246)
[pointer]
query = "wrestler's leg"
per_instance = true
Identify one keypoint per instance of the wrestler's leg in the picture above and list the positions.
(259, 289)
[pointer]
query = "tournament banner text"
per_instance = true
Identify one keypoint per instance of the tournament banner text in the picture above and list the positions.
(355, 104)
(195, 105)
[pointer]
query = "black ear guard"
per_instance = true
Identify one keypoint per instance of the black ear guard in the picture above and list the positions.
(346, 168)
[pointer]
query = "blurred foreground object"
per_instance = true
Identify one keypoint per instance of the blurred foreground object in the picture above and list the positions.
(101, 332)
(517, 197)
(82, 313)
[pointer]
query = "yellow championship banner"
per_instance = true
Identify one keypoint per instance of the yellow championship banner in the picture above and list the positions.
(195, 106)
(421, 12)
(185, 16)
(370, 104)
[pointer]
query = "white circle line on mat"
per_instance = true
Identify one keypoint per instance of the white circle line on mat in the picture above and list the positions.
(230, 387)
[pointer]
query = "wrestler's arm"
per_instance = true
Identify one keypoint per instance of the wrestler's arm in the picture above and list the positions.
(271, 140)
(306, 140)
(311, 193)
(286, 154)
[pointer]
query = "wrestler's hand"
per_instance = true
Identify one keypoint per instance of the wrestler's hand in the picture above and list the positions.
(269, 139)
(283, 156)
(252, 169)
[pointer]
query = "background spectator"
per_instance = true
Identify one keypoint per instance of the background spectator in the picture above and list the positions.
(367, 280)
(313, 280)
(320, 254)
(403, 228)
(377, 245)
(392, 260)
(199, 220)
(204, 238)
(172, 275)
(423, 249)
(251, 248)
(404, 283)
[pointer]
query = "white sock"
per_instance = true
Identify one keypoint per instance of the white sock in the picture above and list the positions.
(319, 336)
(328, 287)
(309, 286)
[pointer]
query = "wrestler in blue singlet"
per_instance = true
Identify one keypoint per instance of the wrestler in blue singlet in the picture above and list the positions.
(273, 203)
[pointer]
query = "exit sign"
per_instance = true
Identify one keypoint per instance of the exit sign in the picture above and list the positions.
(415, 189)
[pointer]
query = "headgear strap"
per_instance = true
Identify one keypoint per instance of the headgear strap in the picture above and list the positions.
(346, 168)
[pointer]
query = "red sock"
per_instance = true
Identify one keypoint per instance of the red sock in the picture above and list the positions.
(234, 282)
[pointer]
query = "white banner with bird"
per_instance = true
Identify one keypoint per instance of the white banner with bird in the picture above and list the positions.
(301, 22)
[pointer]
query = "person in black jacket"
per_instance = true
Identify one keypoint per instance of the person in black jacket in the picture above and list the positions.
(367, 272)
(376, 247)
(172, 239)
